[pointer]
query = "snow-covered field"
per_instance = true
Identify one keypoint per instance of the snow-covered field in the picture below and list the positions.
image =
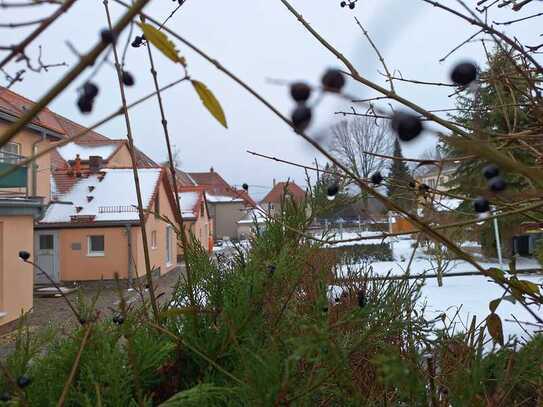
(467, 295)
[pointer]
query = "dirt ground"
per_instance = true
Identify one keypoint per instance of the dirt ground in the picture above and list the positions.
(55, 310)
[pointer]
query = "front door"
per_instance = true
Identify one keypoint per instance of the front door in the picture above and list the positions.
(46, 256)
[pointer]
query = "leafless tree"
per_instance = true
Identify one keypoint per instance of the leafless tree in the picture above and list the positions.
(360, 144)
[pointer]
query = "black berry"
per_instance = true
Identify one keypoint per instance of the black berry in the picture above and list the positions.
(497, 184)
(23, 381)
(481, 205)
(491, 171)
(84, 104)
(342, 4)
(90, 90)
(24, 255)
(406, 125)
(300, 91)
(107, 36)
(332, 190)
(351, 6)
(137, 42)
(301, 117)
(361, 299)
(376, 178)
(118, 319)
(271, 269)
(333, 80)
(337, 299)
(245, 187)
(128, 79)
(464, 73)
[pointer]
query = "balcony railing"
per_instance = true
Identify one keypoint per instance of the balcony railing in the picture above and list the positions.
(10, 158)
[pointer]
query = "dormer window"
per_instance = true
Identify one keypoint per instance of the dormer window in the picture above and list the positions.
(89, 198)
(91, 188)
(78, 209)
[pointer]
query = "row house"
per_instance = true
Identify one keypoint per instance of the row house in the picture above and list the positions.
(74, 208)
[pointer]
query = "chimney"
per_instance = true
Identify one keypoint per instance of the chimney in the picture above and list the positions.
(211, 169)
(95, 164)
(274, 182)
(77, 166)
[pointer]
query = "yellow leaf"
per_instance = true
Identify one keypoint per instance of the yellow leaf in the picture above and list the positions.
(162, 42)
(529, 287)
(496, 274)
(494, 325)
(210, 102)
(494, 304)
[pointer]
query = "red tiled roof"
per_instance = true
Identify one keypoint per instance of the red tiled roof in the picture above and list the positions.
(216, 185)
(276, 194)
(16, 105)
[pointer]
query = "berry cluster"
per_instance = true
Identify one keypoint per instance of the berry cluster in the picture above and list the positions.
(89, 91)
(138, 41)
(332, 81)
(350, 3)
(495, 183)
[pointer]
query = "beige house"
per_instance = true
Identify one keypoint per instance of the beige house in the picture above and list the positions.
(227, 205)
(16, 277)
(92, 232)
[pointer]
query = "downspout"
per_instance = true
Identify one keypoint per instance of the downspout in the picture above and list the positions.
(129, 240)
(34, 174)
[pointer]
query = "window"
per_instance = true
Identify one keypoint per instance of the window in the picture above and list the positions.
(153, 240)
(10, 153)
(47, 242)
(157, 206)
(96, 245)
(168, 245)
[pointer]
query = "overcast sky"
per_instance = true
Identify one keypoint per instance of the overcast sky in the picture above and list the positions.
(258, 40)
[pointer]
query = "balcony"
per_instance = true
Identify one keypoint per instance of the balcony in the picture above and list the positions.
(17, 177)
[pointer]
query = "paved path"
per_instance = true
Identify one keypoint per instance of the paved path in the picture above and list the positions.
(54, 310)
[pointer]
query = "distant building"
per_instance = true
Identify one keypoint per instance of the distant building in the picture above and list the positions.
(271, 203)
(435, 177)
(227, 205)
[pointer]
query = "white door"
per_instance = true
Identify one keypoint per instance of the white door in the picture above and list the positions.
(46, 248)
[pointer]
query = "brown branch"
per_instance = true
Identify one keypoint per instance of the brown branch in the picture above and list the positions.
(132, 151)
(379, 55)
(86, 60)
(34, 34)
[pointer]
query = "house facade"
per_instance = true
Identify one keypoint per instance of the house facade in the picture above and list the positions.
(16, 277)
(272, 202)
(93, 231)
(227, 205)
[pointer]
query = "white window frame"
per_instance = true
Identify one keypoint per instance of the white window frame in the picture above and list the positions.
(154, 240)
(92, 253)
(169, 251)
(5, 149)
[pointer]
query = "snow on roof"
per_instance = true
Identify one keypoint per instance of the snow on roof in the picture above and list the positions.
(255, 215)
(112, 199)
(188, 201)
(222, 198)
(447, 204)
(70, 150)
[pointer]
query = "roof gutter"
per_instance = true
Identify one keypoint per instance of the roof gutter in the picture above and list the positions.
(42, 130)
(86, 225)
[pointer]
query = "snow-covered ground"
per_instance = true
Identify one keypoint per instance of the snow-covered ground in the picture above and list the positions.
(469, 295)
